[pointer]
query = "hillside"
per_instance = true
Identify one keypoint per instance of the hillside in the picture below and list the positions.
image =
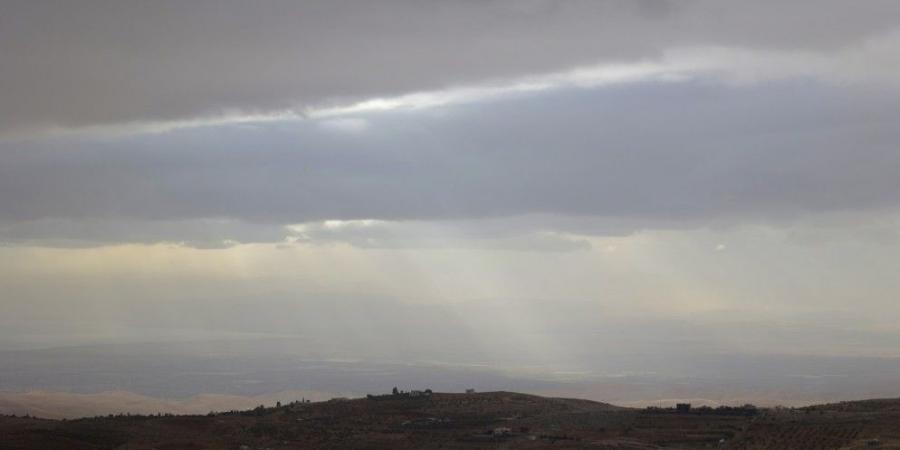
(67, 405)
(483, 420)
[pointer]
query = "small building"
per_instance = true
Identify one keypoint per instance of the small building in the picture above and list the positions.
(470, 391)
(502, 431)
(683, 407)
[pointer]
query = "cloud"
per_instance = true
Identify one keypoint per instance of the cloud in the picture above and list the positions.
(87, 232)
(102, 62)
(633, 156)
(515, 234)
(350, 125)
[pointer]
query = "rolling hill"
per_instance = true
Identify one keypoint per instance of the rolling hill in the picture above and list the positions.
(482, 420)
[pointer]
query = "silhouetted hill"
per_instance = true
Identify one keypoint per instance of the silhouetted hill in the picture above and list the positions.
(482, 420)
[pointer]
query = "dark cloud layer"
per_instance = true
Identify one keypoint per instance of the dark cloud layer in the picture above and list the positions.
(71, 64)
(643, 155)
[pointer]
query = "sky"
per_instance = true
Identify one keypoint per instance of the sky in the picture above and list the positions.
(534, 183)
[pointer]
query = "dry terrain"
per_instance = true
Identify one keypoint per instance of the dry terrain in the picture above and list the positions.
(482, 420)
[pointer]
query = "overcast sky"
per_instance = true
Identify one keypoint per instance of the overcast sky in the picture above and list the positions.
(719, 176)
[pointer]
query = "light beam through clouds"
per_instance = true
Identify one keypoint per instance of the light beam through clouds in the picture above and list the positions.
(542, 186)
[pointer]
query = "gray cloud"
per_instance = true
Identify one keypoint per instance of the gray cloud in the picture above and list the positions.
(74, 64)
(640, 155)
(198, 233)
